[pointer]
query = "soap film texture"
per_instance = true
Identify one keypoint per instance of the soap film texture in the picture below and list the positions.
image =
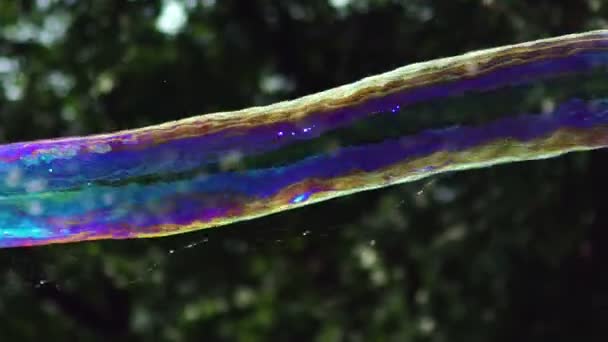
(220, 168)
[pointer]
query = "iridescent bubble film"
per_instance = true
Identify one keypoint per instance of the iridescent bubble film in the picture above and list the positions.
(521, 102)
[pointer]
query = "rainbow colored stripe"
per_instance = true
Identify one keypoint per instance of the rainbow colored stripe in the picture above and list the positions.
(220, 168)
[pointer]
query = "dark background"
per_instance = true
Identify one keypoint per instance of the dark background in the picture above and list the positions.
(509, 253)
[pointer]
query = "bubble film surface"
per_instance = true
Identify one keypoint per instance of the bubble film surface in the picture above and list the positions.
(521, 102)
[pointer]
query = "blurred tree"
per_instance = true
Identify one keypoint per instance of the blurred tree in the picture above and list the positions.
(494, 254)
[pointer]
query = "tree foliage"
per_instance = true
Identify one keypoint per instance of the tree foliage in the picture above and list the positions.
(506, 253)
